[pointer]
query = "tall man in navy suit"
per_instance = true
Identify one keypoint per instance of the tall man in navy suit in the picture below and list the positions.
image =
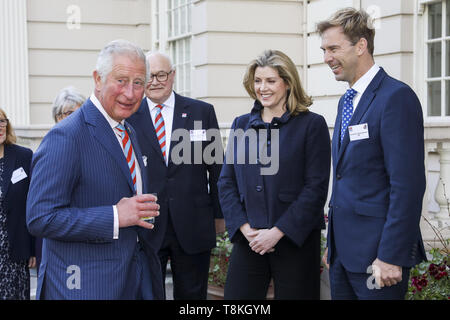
(378, 168)
(187, 190)
(88, 196)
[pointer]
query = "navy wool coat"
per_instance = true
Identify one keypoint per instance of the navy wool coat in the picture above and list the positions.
(14, 201)
(293, 197)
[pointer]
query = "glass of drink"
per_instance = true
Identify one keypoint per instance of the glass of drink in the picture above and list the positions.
(150, 219)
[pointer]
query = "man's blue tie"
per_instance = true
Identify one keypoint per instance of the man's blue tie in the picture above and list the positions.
(347, 111)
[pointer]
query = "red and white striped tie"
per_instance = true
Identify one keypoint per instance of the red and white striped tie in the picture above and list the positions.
(128, 151)
(160, 130)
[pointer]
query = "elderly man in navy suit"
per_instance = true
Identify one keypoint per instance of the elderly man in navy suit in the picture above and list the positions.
(87, 196)
(186, 188)
(378, 168)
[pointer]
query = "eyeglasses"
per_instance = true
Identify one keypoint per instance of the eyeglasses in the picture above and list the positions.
(66, 114)
(160, 76)
(3, 123)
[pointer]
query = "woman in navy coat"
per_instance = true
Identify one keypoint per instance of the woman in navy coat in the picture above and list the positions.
(16, 244)
(273, 186)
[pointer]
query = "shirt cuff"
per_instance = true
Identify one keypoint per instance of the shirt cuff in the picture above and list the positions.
(116, 223)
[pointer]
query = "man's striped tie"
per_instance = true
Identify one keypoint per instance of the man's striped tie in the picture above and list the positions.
(128, 151)
(160, 129)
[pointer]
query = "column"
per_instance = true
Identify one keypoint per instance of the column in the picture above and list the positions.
(442, 194)
(14, 92)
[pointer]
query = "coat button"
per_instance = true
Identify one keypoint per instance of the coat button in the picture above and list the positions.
(338, 176)
(259, 188)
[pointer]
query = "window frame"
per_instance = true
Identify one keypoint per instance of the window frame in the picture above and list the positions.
(443, 78)
(168, 36)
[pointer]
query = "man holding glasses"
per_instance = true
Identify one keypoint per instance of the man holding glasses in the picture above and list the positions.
(187, 191)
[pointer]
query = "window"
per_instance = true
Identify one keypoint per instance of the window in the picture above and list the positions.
(180, 51)
(438, 59)
(156, 34)
(179, 27)
(172, 34)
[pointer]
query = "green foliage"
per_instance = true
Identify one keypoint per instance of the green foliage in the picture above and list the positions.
(430, 280)
(323, 246)
(220, 257)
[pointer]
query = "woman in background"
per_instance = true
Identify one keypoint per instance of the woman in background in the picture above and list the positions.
(16, 244)
(66, 102)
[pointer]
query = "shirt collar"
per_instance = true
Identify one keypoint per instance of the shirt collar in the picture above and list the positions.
(169, 103)
(113, 123)
(361, 85)
(257, 122)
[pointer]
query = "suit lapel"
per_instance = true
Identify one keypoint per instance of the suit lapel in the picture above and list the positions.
(363, 106)
(103, 133)
(336, 132)
(138, 156)
(179, 121)
(9, 167)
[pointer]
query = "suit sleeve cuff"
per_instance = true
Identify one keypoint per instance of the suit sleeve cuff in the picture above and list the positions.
(116, 223)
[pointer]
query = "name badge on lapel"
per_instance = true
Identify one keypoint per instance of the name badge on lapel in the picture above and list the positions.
(198, 135)
(359, 132)
(18, 175)
(144, 159)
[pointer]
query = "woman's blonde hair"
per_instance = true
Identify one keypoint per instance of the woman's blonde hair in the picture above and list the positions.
(297, 99)
(10, 136)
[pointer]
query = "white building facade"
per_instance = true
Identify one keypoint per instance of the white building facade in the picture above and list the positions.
(49, 44)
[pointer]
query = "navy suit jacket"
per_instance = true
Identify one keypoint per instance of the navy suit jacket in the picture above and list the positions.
(379, 182)
(188, 192)
(21, 243)
(293, 198)
(79, 173)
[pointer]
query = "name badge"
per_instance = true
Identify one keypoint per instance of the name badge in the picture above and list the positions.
(198, 135)
(144, 159)
(18, 175)
(359, 132)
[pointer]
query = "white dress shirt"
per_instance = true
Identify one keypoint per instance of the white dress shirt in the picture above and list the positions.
(113, 123)
(167, 114)
(362, 84)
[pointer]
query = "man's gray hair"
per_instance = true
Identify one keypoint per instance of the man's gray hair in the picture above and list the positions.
(162, 54)
(118, 47)
(68, 97)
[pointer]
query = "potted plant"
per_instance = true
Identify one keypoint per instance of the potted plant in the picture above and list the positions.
(220, 257)
(430, 280)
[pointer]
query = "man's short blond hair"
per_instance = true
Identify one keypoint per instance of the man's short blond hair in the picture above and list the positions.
(356, 24)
